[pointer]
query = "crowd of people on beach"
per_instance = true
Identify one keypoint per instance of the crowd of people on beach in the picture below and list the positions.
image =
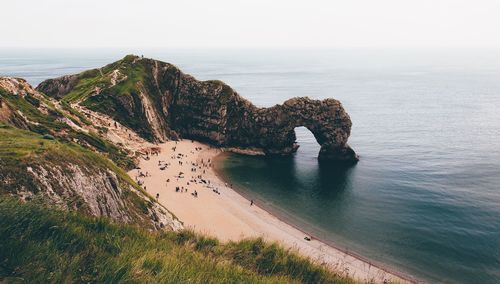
(198, 171)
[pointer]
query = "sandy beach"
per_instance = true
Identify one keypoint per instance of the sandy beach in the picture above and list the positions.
(182, 176)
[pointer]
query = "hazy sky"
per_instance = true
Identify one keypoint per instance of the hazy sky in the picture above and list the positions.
(250, 24)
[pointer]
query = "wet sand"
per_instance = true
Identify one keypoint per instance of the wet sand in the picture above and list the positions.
(220, 211)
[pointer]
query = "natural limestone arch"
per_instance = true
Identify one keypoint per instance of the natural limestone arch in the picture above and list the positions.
(325, 119)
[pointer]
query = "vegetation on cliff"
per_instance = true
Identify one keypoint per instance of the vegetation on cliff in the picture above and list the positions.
(44, 153)
(21, 149)
(26, 111)
(33, 166)
(42, 245)
(116, 89)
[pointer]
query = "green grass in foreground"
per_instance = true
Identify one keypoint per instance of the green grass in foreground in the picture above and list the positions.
(40, 245)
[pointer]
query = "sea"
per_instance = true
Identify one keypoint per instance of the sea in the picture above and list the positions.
(424, 199)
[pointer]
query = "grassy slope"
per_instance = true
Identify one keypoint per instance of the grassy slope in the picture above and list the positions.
(42, 245)
(110, 99)
(20, 149)
(50, 124)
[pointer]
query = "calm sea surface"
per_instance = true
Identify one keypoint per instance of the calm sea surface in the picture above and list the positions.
(425, 196)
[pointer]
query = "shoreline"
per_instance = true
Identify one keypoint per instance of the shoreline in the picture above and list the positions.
(220, 174)
(222, 212)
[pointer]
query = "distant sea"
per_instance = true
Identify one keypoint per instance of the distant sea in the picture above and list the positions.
(425, 196)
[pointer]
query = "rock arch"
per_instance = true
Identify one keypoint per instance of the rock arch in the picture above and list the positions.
(326, 119)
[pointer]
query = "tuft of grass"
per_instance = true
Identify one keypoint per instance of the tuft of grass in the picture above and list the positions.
(87, 84)
(67, 107)
(42, 123)
(40, 244)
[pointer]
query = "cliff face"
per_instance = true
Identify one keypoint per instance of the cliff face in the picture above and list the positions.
(47, 153)
(160, 102)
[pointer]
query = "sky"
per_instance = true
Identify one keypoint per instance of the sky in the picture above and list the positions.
(250, 24)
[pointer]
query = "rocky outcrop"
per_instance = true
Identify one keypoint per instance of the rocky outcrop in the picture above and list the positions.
(97, 193)
(210, 111)
(16, 86)
(59, 87)
(219, 115)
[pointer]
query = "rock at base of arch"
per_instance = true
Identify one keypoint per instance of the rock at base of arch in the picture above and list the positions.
(341, 154)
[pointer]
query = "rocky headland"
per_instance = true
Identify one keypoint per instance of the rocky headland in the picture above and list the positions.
(160, 102)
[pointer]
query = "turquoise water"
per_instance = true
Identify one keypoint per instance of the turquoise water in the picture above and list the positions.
(425, 196)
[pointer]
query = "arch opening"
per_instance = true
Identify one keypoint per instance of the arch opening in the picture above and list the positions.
(306, 143)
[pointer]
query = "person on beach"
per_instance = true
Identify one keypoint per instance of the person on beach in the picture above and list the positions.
(157, 196)
(251, 202)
